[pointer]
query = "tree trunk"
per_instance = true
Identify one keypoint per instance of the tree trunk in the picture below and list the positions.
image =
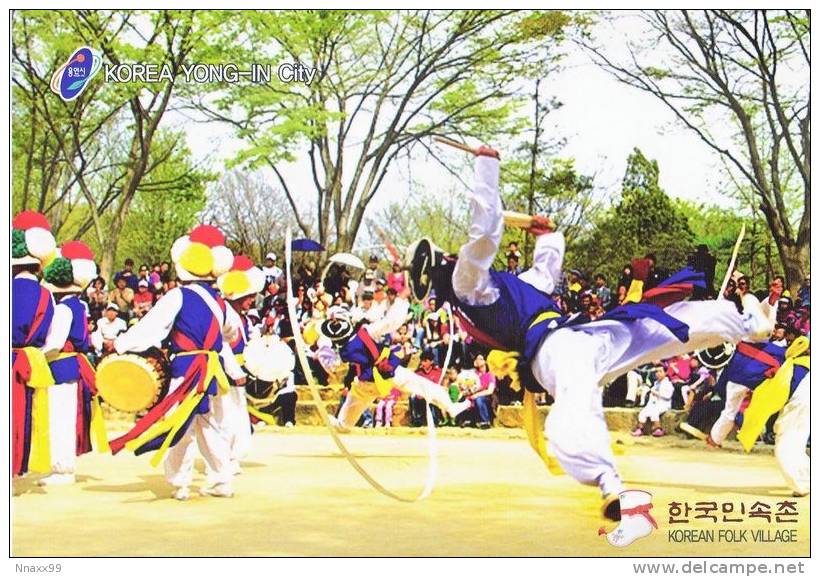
(795, 259)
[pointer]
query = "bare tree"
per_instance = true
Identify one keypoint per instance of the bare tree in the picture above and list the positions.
(739, 81)
(251, 212)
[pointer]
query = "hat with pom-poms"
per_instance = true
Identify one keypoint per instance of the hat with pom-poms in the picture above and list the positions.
(31, 239)
(72, 270)
(202, 254)
(242, 280)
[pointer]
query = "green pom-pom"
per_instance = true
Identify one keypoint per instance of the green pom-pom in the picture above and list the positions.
(59, 272)
(18, 244)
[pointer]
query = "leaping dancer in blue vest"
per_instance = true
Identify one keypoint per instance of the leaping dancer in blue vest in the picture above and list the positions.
(377, 370)
(569, 356)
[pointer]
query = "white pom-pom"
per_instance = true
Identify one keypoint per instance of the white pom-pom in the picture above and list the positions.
(223, 260)
(179, 247)
(257, 278)
(84, 271)
(40, 242)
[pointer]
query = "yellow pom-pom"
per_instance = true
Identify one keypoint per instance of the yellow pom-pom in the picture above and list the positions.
(234, 282)
(50, 258)
(310, 334)
(197, 259)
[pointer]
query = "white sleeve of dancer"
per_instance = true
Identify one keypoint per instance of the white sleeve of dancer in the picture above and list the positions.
(59, 329)
(151, 329)
(391, 321)
(547, 261)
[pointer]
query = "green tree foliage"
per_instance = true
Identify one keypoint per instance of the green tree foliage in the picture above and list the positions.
(644, 220)
(738, 80)
(386, 81)
(85, 162)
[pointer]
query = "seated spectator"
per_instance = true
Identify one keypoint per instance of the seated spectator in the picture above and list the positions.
(512, 264)
(778, 336)
(451, 383)
(660, 401)
(397, 279)
(704, 407)
(602, 292)
(143, 300)
(637, 386)
(384, 409)
(127, 273)
(97, 298)
(123, 297)
(108, 328)
(804, 294)
(432, 372)
(482, 395)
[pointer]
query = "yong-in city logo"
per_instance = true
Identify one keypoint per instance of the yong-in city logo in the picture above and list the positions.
(70, 79)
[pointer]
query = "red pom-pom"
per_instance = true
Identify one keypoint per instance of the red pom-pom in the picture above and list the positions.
(208, 235)
(77, 249)
(30, 219)
(242, 262)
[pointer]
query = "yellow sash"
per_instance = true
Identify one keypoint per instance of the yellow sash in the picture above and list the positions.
(505, 364)
(173, 423)
(771, 395)
(383, 386)
(41, 378)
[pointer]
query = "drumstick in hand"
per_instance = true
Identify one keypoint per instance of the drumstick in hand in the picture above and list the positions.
(455, 144)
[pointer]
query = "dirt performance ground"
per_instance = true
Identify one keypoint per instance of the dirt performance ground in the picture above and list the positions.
(298, 496)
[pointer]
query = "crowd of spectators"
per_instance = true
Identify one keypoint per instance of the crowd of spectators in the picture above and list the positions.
(424, 339)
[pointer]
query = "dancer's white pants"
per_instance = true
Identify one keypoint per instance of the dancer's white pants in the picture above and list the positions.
(231, 414)
(62, 423)
(213, 442)
(363, 393)
(792, 431)
(735, 394)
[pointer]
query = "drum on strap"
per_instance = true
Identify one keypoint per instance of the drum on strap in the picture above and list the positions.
(270, 362)
(133, 383)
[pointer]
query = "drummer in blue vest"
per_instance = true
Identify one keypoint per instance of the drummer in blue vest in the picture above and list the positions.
(239, 287)
(32, 312)
(570, 357)
(73, 403)
(192, 319)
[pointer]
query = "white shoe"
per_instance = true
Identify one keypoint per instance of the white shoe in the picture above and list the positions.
(289, 424)
(459, 408)
(761, 324)
(261, 425)
(57, 479)
(338, 425)
(182, 494)
(218, 490)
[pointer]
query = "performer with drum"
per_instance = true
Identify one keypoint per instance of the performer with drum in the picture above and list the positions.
(32, 312)
(239, 287)
(377, 369)
(570, 357)
(192, 318)
(73, 405)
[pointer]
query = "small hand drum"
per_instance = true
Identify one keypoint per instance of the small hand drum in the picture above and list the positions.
(268, 358)
(133, 383)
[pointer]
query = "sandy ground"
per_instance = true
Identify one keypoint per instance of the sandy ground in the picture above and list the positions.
(297, 496)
